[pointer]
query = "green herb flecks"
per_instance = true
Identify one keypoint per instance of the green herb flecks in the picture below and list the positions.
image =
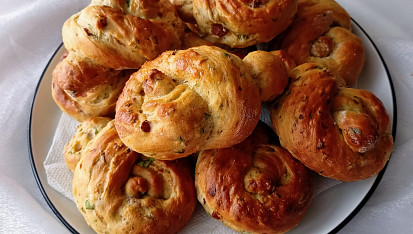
(356, 131)
(145, 163)
(89, 206)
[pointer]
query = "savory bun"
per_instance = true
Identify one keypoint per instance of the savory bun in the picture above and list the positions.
(123, 34)
(186, 101)
(120, 191)
(83, 89)
(240, 23)
(322, 35)
(85, 132)
(269, 73)
(341, 133)
(254, 186)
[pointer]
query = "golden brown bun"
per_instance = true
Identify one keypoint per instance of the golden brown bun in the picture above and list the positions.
(123, 34)
(341, 133)
(254, 186)
(84, 89)
(188, 100)
(269, 73)
(239, 23)
(321, 34)
(120, 191)
(85, 132)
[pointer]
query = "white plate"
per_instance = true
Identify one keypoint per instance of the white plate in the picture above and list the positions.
(329, 211)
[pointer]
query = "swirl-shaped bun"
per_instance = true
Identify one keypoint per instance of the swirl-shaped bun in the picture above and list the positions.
(120, 191)
(123, 34)
(186, 101)
(342, 133)
(254, 186)
(321, 34)
(85, 132)
(241, 23)
(83, 89)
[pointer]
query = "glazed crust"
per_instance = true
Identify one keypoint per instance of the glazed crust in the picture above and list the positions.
(83, 89)
(254, 186)
(242, 23)
(85, 132)
(119, 191)
(341, 133)
(123, 34)
(321, 34)
(186, 101)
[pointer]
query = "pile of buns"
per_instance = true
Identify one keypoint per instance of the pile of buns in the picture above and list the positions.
(169, 96)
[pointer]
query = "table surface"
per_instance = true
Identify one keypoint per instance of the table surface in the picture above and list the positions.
(30, 31)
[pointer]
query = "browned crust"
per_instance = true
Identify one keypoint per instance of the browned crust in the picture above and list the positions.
(105, 193)
(247, 23)
(307, 121)
(254, 186)
(200, 98)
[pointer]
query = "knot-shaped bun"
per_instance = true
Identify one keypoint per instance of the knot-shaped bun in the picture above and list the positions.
(186, 101)
(83, 89)
(322, 35)
(241, 23)
(85, 132)
(342, 133)
(123, 34)
(120, 191)
(254, 186)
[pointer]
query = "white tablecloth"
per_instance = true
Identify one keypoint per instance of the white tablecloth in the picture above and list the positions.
(30, 31)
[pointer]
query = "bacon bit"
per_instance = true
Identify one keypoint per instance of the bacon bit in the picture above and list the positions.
(212, 192)
(219, 30)
(215, 215)
(146, 127)
(102, 22)
(87, 32)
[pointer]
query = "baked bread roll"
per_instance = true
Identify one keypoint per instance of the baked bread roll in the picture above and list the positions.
(341, 133)
(83, 89)
(123, 34)
(255, 186)
(269, 73)
(186, 101)
(239, 23)
(321, 34)
(85, 132)
(120, 191)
